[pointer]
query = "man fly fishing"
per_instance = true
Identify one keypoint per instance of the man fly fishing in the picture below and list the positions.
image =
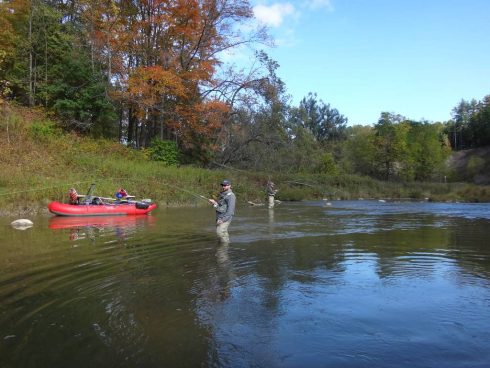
(225, 209)
(271, 192)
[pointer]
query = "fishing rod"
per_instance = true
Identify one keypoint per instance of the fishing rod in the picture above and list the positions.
(187, 191)
(316, 187)
(167, 184)
(258, 174)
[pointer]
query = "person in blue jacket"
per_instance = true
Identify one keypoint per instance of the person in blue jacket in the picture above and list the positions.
(121, 194)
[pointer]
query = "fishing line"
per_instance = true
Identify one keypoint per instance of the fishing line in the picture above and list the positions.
(260, 174)
(300, 183)
(231, 168)
(45, 188)
(316, 186)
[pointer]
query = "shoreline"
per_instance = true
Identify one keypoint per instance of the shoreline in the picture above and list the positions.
(42, 210)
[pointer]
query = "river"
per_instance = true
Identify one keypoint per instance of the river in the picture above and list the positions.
(307, 284)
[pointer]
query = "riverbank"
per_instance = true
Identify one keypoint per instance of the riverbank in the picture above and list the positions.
(184, 186)
(40, 163)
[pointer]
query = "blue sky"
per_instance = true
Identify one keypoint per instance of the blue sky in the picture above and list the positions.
(416, 58)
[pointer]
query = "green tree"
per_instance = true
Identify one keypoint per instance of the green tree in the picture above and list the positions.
(426, 150)
(52, 67)
(459, 133)
(327, 164)
(324, 122)
(391, 146)
(78, 94)
(359, 151)
(479, 124)
(255, 136)
(302, 152)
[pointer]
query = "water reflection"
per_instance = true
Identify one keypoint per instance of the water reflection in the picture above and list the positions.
(223, 236)
(271, 222)
(224, 270)
(90, 227)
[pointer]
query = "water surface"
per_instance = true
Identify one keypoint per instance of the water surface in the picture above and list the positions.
(311, 284)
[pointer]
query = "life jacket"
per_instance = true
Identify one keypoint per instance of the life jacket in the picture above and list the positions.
(73, 196)
(121, 193)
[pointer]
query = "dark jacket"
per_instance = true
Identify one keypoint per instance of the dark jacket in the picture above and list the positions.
(226, 206)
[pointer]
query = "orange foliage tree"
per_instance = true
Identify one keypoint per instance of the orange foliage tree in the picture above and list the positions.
(162, 58)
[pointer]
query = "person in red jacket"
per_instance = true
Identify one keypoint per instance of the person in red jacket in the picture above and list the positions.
(121, 193)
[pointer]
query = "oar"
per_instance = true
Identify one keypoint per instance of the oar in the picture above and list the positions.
(108, 199)
(90, 190)
(124, 200)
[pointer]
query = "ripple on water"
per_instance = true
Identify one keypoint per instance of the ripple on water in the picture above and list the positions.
(372, 284)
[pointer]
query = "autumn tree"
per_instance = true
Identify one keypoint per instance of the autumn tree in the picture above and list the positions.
(162, 58)
(255, 136)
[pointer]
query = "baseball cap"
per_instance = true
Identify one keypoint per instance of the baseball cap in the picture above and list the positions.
(226, 182)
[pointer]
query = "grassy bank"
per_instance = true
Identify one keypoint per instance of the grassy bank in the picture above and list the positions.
(40, 163)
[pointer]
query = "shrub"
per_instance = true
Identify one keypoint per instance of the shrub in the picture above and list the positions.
(164, 151)
(474, 166)
(327, 165)
(44, 129)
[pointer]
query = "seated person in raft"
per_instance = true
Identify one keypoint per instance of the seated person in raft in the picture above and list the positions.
(121, 194)
(73, 196)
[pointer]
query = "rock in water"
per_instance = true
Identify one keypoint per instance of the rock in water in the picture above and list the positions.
(22, 224)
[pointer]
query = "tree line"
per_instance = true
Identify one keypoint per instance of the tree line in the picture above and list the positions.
(152, 75)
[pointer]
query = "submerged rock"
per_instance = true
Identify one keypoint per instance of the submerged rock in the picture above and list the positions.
(22, 224)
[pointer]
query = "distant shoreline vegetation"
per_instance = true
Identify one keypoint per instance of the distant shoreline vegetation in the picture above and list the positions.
(41, 161)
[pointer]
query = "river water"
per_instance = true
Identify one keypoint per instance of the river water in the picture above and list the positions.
(310, 284)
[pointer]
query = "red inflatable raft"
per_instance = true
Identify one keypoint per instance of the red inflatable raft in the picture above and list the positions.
(132, 208)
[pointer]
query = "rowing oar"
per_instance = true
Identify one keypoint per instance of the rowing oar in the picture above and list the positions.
(108, 199)
(124, 200)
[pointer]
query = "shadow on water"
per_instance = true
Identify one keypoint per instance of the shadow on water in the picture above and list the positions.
(303, 284)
